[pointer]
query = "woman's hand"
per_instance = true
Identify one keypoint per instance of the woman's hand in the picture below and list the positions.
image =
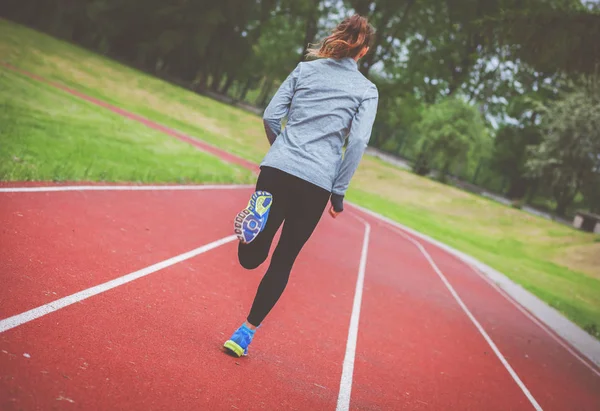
(333, 213)
(337, 205)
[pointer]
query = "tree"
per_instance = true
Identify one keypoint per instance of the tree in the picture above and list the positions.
(591, 192)
(512, 139)
(309, 12)
(452, 133)
(510, 156)
(552, 35)
(275, 53)
(397, 117)
(569, 156)
(391, 19)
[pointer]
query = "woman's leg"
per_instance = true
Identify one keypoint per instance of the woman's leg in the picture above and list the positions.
(255, 253)
(305, 208)
(301, 205)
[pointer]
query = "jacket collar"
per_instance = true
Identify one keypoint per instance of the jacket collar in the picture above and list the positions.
(349, 62)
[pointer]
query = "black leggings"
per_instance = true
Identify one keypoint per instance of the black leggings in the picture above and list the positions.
(300, 204)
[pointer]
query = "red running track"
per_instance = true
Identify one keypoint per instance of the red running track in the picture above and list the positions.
(155, 343)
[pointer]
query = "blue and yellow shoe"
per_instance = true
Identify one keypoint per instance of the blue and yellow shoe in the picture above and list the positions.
(239, 341)
(252, 220)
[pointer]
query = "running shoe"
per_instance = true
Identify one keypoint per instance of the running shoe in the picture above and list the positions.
(250, 222)
(239, 341)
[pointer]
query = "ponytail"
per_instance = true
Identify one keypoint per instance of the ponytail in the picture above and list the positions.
(348, 39)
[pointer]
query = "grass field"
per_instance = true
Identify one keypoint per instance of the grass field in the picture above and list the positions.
(47, 135)
(216, 123)
(557, 263)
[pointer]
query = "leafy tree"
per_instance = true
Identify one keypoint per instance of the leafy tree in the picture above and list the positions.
(452, 133)
(510, 156)
(512, 139)
(591, 192)
(551, 35)
(569, 156)
(393, 22)
(397, 121)
(275, 53)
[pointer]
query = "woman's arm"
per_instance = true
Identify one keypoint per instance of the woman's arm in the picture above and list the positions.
(360, 134)
(279, 106)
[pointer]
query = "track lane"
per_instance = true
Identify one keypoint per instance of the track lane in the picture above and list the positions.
(58, 243)
(556, 378)
(416, 348)
(155, 343)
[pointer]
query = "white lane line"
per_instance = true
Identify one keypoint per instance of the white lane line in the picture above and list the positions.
(462, 305)
(535, 320)
(19, 319)
(343, 402)
(121, 188)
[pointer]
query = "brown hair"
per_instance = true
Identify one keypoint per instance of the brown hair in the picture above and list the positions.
(347, 39)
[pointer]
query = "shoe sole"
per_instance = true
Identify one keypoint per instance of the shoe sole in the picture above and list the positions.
(234, 348)
(249, 217)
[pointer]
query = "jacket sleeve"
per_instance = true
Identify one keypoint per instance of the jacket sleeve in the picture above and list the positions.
(360, 134)
(279, 106)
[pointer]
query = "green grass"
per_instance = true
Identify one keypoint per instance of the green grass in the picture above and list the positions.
(219, 124)
(558, 264)
(50, 135)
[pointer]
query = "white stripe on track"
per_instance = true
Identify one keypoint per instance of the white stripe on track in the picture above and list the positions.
(462, 305)
(121, 188)
(19, 319)
(343, 402)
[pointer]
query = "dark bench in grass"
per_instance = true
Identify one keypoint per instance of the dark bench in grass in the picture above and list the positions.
(587, 222)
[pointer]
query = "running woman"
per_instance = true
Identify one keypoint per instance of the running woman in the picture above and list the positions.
(326, 101)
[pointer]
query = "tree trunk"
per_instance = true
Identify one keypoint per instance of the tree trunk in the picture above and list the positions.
(265, 92)
(443, 176)
(401, 143)
(228, 84)
(421, 166)
(467, 57)
(245, 90)
(518, 188)
(311, 27)
(476, 174)
(378, 135)
(561, 208)
(202, 81)
(533, 189)
(564, 198)
(503, 185)
(56, 22)
(216, 81)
